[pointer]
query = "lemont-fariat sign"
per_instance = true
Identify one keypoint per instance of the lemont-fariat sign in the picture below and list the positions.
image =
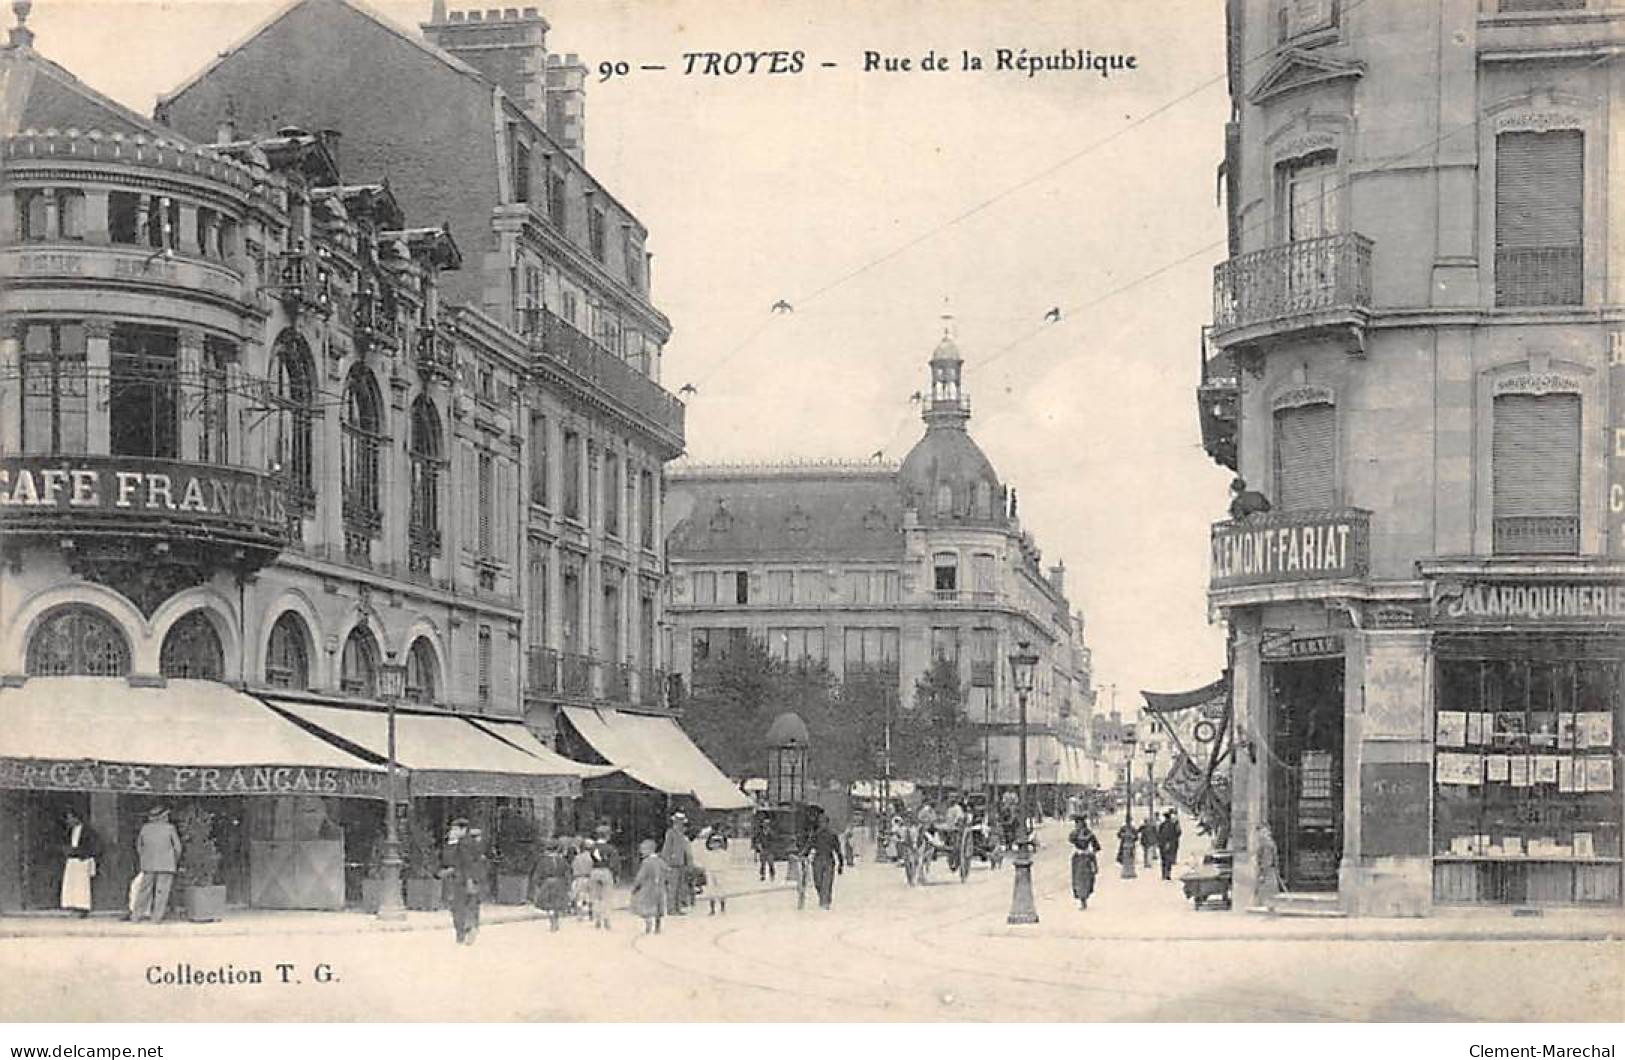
(1276, 547)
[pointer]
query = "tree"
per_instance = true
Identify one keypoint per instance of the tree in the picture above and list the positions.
(731, 705)
(934, 741)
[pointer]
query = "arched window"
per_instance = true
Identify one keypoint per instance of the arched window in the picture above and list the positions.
(287, 656)
(363, 433)
(292, 389)
(358, 671)
(424, 449)
(192, 649)
(78, 640)
(422, 673)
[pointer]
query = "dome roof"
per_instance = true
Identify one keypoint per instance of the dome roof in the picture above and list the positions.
(949, 456)
(788, 730)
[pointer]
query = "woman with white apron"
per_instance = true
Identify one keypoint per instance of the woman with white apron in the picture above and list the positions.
(78, 865)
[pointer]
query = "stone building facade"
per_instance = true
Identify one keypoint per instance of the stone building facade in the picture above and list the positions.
(879, 569)
(1416, 357)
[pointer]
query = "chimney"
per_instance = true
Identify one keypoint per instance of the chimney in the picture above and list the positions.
(1057, 578)
(507, 45)
(567, 104)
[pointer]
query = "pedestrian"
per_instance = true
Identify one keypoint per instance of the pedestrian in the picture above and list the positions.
(1168, 842)
(847, 847)
(581, 876)
(551, 882)
(761, 841)
(158, 851)
(1127, 838)
(714, 859)
(679, 859)
(825, 852)
(649, 887)
(1085, 865)
(1148, 838)
(1267, 882)
(463, 872)
(79, 855)
(602, 878)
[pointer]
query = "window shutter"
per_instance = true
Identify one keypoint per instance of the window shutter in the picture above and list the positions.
(1306, 457)
(507, 491)
(1539, 217)
(1535, 455)
(468, 529)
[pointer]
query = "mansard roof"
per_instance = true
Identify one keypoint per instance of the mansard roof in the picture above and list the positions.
(791, 512)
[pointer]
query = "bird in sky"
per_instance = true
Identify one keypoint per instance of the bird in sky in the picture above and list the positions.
(878, 454)
(781, 306)
(1053, 316)
(688, 388)
(916, 397)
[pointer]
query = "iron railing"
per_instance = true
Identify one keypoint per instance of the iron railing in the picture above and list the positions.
(1537, 534)
(1296, 279)
(541, 670)
(617, 683)
(435, 353)
(576, 673)
(565, 345)
(299, 281)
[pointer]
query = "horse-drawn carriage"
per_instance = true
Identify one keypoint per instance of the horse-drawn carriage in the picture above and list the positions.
(957, 843)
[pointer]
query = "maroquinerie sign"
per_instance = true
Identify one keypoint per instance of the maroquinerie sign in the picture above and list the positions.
(1290, 547)
(133, 487)
(1514, 603)
(91, 775)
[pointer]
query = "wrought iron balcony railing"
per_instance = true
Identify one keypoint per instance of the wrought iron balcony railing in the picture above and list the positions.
(299, 281)
(565, 345)
(541, 671)
(1537, 534)
(1293, 285)
(577, 673)
(435, 354)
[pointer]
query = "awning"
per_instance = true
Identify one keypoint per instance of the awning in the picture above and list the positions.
(183, 738)
(870, 789)
(444, 754)
(655, 752)
(1171, 702)
(517, 734)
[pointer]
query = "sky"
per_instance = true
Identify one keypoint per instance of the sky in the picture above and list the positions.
(876, 202)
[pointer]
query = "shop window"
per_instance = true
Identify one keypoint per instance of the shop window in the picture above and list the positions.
(1526, 747)
(422, 673)
(287, 654)
(358, 666)
(362, 427)
(1535, 473)
(55, 402)
(143, 409)
(1539, 217)
(1306, 457)
(292, 392)
(78, 640)
(192, 649)
(215, 436)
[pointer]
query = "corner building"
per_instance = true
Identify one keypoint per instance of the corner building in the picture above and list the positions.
(877, 570)
(1418, 356)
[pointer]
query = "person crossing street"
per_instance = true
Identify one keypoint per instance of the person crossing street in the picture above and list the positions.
(827, 860)
(1168, 842)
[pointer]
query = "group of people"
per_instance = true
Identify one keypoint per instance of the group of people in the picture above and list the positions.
(158, 857)
(1160, 837)
(574, 876)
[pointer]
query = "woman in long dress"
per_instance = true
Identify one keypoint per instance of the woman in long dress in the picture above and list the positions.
(649, 888)
(1084, 863)
(78, 865)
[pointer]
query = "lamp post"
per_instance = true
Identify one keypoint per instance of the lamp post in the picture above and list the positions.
(391, 685)
(1127, 864)
(1151, 777)
(1022, 910)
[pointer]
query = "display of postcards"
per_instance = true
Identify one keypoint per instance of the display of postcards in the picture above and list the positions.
(1568, 730)
(1509, 729)
(1543, 729)
(1565, 775)
(1596, 729)
(1584, 847)
(1519, 771)
(1475, 729)
(1451, 729)
(1461, 845)
(1460, 768)
(1496, 769)
(1599, 774)
(1545, 769)
(1512, 845)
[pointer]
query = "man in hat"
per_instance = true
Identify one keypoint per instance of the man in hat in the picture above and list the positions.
(158, 851)
(678, 858)
(1168, 842)
(463, 861)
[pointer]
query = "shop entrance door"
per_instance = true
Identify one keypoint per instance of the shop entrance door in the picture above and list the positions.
(44, 832)
(1306, 772)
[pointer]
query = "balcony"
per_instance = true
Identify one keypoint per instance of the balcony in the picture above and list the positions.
(649, 688)
(299, 282)
(435, 355)
(575, 351)
(576, 674)
(1546, 535)
(541, 671)
(375, 324)
(617, 683)
(1312, 285)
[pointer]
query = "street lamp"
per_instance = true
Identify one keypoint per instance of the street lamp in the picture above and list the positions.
(1022, 911)
(1127, 864)
(1151, 749)
(391, 686)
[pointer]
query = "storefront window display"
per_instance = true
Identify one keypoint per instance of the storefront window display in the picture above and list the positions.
(1527, 749)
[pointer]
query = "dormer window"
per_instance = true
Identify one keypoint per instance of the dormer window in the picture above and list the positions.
(945, 499)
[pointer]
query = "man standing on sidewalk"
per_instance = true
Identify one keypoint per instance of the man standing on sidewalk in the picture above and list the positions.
(158, 849)
(1168, 842)
(827, 860)
(464, 874)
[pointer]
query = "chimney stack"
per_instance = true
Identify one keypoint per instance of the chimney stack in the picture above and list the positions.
(567, 104)
(1057, 578)
(507, 45)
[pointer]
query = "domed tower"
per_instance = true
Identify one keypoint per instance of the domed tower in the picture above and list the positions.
(946, 478)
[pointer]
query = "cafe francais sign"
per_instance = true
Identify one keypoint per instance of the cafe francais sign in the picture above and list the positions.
(1292, 546)
(131, 779)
